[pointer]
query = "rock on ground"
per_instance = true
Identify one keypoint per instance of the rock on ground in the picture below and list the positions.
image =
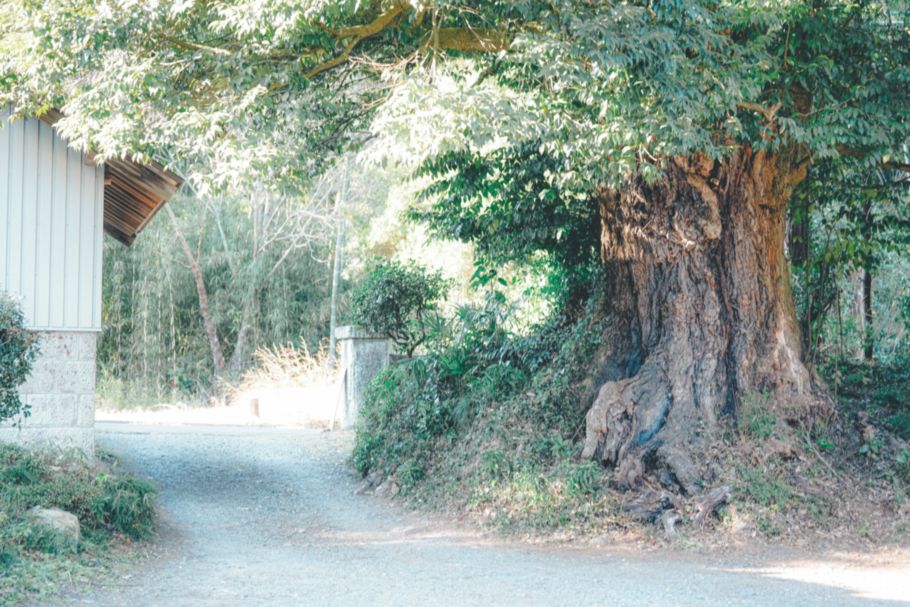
(54, 519)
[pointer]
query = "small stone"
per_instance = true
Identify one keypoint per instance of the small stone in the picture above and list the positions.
(385, 489)
(669, 519)
(363, 487)
(374, 479)
(61, 521)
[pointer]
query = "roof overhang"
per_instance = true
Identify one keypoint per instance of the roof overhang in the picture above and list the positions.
(133, 192)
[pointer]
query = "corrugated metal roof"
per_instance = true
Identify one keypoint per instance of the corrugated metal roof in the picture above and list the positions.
(133, 192)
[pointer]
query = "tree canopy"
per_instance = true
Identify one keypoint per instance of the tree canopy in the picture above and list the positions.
(269, 88)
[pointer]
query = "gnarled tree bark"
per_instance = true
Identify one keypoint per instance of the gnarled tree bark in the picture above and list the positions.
(703, 315)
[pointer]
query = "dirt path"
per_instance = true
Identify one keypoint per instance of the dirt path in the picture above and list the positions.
(266, 517)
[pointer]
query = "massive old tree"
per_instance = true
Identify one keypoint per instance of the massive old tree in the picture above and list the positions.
(685, 126)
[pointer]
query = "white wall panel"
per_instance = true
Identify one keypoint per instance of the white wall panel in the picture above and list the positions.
(51, 225)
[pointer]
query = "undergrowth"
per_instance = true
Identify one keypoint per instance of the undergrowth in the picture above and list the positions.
(492, 423)
(112, 508)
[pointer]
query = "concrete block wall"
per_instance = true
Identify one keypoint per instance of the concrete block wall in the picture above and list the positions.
(61, 392)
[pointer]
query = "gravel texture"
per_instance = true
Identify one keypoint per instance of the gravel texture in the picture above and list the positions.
(267, 517)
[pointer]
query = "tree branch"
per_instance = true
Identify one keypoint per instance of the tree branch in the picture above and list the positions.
(466, 40)
(359, 33)
(768, 112)
(374, 27)
(904, 167)
(893, 165)
(194, 46)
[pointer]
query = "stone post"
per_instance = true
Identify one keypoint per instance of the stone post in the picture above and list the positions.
(362, 357)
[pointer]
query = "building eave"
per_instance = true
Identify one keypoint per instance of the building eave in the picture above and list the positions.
(133, 192)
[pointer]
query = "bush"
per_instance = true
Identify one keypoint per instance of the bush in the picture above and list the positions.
(491, 419)
(902, 466)
(583, 478)
(34, 560)
(900, 424)
(18, 349)
(405, 409)
(399, 300)
(103, 502)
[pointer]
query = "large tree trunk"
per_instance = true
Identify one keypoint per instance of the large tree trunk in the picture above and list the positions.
(703, 316)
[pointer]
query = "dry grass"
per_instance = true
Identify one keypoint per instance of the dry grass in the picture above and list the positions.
(292, 387)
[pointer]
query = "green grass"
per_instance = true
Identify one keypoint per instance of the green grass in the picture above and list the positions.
(764, 488)
(758, 419)
(900, 424)
(112, 509)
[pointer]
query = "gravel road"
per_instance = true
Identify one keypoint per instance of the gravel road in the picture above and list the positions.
(267, 517)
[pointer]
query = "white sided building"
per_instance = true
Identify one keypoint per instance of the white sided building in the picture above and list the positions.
(55, 206)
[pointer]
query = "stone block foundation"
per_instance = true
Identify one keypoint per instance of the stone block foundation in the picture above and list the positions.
(61, 392)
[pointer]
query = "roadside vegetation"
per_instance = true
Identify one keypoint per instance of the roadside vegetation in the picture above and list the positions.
(61, 518)
(114, 510)
(490, 422)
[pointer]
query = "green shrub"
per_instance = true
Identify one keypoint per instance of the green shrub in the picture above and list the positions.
(7, 558)
(18, 349)
(405, 408)
(547, 449)
(125, 505)
(48, 541)
(902, 466)
(22, 471)
(399, 300)
(900, 424)
(409, 474)
(494, 418)
(764, 488)
(35, 560)
(494, 464)
(104, 503)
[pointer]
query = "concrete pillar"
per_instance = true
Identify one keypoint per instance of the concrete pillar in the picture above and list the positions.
(61, 392)
(362, 357)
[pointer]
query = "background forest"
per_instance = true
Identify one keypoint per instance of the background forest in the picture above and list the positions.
(155, 347)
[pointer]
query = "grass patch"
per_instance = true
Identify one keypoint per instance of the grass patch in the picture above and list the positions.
(900, 424)
(764, 488)
(112, 508)
(758, 418)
